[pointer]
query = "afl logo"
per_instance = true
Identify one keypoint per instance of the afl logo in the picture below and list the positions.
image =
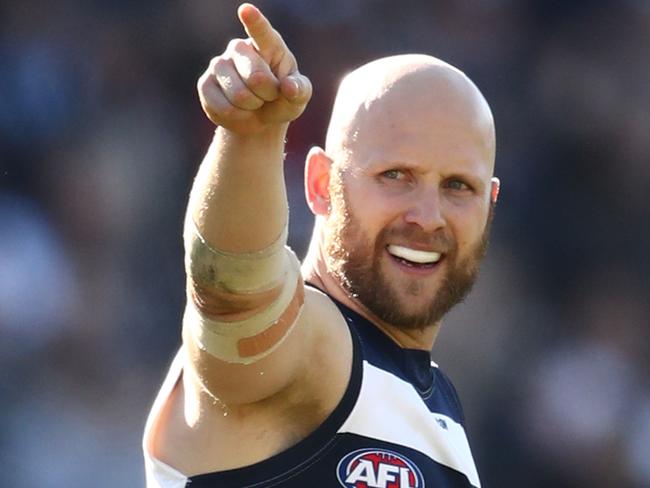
(378, 468)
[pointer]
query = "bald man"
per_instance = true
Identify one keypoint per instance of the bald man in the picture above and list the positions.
(321, 376)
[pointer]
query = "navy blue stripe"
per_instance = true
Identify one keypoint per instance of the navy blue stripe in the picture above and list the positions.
(410, 365)
(324, 474)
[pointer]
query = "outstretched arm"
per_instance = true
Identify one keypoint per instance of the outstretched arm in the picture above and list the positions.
(251, 92)
(244, 287)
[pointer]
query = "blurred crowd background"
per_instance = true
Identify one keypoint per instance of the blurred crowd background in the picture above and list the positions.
(101, 134)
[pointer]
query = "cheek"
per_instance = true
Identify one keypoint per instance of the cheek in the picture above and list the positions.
(372, 212)
(467, 225)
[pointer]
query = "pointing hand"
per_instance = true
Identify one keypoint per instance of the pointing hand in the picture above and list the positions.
(255, 83)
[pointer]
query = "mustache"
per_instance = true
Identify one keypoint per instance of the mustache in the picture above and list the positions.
(440, 240)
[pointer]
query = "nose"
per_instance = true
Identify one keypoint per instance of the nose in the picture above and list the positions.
(424, 210)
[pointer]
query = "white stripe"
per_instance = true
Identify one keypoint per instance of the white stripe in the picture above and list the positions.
(159, 474)
(389, 409)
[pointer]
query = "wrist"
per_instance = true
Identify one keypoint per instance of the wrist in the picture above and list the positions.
(267, 135)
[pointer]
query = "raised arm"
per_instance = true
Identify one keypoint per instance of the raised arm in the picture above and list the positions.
(244, 287)
(251, 92)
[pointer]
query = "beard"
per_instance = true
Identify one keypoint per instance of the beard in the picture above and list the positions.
(356, 264)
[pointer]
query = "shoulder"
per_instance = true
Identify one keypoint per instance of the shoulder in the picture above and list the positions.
(324, 319)
(328, 348)
(327, 333)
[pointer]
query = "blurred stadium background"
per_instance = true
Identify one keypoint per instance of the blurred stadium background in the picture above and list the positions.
(101, 133)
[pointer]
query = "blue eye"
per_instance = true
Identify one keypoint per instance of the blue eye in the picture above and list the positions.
(393, 174)
(457, 185)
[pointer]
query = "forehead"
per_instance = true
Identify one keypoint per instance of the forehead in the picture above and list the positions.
(412, 111)
(420, 130)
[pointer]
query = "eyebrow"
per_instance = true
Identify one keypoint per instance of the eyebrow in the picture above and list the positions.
(388, 164)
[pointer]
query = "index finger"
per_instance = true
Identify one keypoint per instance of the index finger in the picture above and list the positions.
(259, 29)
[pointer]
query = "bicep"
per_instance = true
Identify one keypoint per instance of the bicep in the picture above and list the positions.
(239, 383)
(319, 341)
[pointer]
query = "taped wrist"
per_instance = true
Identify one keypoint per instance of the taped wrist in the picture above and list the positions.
(248, 272)
(241, 306)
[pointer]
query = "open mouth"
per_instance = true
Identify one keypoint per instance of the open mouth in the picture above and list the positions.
(413, 257)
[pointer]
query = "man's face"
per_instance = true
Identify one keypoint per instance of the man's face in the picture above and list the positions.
(410, 216)
(408, 303)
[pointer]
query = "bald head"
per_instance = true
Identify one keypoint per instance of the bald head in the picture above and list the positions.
(403, 91)
(406, 177)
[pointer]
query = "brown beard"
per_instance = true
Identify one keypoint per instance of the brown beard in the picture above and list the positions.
(359, 271)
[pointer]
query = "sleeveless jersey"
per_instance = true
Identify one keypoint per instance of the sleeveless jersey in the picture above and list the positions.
(399, 425)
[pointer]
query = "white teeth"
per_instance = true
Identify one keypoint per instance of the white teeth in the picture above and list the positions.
(413, 255)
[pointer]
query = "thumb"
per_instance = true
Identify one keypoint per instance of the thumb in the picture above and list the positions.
(296, 88)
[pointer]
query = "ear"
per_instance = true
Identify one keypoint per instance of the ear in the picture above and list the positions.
(494, 193)
(317, 181)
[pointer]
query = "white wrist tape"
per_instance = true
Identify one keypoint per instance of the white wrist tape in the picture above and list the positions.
(249, 340)
(275, 269)
(235, 272)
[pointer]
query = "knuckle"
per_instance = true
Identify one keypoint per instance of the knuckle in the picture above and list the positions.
(236, 45)
(202, 82)
(242, 46)
(213, 62)
(218, 64)
(241, 96)
(258, 79)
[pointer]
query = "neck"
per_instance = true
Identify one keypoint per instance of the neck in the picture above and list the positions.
(315, 271)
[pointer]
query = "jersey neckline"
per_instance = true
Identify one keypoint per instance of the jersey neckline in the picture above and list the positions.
(412, 365)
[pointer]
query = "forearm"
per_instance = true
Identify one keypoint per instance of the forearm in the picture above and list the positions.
(238, 201)
(244, 287)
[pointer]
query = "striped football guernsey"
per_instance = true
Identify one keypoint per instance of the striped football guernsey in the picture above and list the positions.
(398, 425)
